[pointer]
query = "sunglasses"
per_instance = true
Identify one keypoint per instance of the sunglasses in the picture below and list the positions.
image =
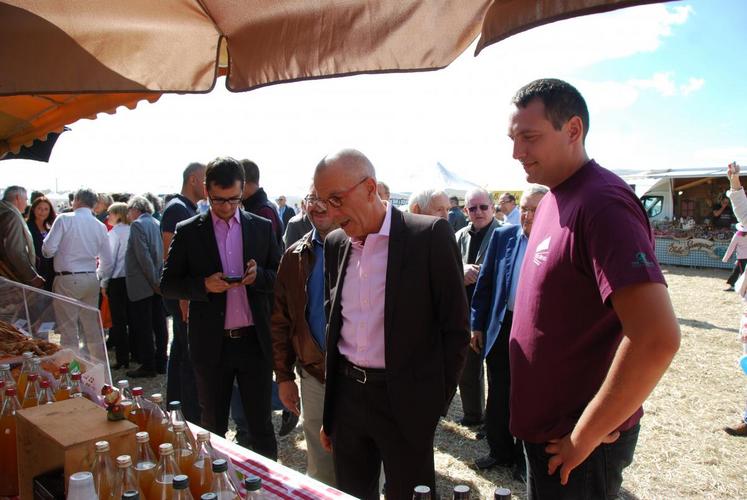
(484, 208)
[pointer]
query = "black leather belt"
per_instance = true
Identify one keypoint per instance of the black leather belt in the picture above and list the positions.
(237, 333)
(360, 374)
(68, 273)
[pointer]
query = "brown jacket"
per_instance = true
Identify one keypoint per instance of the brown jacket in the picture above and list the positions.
(292, 341)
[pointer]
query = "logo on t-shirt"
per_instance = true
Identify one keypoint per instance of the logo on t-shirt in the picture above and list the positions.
(641, 260)
(542, 251)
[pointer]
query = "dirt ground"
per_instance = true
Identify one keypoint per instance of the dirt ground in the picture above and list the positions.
(682, 450)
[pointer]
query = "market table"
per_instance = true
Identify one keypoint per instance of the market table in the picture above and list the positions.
(277, 479)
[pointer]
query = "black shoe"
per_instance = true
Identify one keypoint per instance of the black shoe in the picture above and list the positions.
(488, 462)
(290, 421)
(469, 422)
(141, 372)
(730, 288)
(121, 366)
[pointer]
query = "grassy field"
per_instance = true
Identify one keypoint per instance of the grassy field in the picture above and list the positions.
(682, 451)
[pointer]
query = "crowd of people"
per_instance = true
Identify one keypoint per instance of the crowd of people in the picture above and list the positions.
(371, 318)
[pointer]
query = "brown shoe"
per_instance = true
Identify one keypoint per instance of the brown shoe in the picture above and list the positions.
(737, 430)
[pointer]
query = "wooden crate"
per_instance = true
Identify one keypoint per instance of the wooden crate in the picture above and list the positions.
(63, 435)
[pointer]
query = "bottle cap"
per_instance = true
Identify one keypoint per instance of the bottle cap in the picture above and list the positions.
(180, 426)
(76, 375)
(63, 369)
(461, 492)
(203, 436)
(137, 391)
(209, 496)
(180, 482)
(252, 483)
(502, 494)
(123, 383)
(220, 465)
(33, 376)
(10, 391)
(44, 383)
(175, 405)
(142, 437)
(27, 355)
(166, 449)
(124, 461)
(102, 446)
(131, 495)
(4, 366)
(157, 398)
(78, 395)
(422, 489)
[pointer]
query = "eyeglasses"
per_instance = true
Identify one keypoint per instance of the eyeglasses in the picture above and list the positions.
(503, 202)
(526, 210)
(484, 208)
(335, 201)
(222, 201)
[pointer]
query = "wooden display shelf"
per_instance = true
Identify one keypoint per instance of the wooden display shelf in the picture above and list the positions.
(63, 435)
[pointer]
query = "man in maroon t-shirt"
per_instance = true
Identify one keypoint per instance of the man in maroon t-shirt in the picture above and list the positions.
(593, 328)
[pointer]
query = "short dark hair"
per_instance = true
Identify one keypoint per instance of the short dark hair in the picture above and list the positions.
(35, 195)
(561, 99)
(223, 172)
(191, 169)
(251, 171)
(454, 199)
(86, 196)
(509, 197)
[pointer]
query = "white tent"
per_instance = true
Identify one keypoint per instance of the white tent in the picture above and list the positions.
(439, 177)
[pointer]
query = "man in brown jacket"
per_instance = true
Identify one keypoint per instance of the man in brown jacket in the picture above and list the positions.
(17, 254)
(298, 335)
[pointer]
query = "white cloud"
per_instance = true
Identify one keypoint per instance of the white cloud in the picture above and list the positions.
(691, 86)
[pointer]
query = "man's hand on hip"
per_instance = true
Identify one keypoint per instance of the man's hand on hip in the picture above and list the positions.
(288, 392)
(570, 452)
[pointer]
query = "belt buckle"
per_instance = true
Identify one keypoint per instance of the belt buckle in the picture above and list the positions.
(365, 377)
(233, 333)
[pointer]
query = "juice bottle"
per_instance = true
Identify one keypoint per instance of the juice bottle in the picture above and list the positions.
(103, 470)
(176, 415)
(167, 468)
(138, 415)
(126, 478)
(181, 488)
(63, 384)
(8, 460)
(158, 423)
(46, 397)
(253, 487)
(185, 454)
(6, 375)
(23, 376)
(124, 389)
(201, 473)
(145, 462)
(2, 393)
(75, 387)
(222, 486)
(31, 396)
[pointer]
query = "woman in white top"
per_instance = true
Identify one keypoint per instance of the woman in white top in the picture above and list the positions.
(114, 286)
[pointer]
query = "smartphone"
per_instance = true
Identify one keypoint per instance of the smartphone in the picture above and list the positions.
(232, 279)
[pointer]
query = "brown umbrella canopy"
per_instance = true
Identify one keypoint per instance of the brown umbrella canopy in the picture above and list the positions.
(101, 54)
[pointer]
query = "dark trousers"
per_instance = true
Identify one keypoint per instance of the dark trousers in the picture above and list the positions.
(736, 272)
(148, 323)
(503, 447)
(241, 359)
(598, 477)
(120, 331)
(180, 378)
(472, 387)
(365, 433)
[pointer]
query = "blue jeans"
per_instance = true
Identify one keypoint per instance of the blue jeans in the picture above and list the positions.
(598, 477)
(180, 376)
(237, 412)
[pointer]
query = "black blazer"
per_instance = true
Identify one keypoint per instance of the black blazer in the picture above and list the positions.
(425, 320)
(193, 256)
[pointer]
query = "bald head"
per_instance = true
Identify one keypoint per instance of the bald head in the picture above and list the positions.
(348, 161)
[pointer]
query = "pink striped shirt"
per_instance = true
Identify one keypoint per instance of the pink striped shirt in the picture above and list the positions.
(231, 250)
(363, 292)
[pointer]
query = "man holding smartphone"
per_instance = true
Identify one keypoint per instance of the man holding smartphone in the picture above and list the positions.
(224, 262)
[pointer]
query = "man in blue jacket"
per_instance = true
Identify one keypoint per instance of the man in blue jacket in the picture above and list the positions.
(492, 310)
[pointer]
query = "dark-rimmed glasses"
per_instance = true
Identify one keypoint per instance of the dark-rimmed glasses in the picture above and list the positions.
(484, 208)
(222, 201)
(334, 201)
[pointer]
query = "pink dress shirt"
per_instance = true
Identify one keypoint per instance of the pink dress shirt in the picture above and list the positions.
(231, 250)
(363, 292)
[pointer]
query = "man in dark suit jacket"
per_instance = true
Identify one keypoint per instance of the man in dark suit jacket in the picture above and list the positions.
(492, 310)
(284, 211)
(397, 335)
(224, 262)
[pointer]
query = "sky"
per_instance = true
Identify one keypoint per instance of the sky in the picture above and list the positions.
(665, 85)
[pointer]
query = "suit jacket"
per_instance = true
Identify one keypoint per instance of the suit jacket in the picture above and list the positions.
(287, 215)
(464, 237)
(425, 325)
(144, 258)
(296, 228)
(17, 254)
(193, 256)
(490, 299)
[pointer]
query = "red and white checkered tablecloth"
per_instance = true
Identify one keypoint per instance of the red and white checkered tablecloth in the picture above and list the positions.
(277, 479)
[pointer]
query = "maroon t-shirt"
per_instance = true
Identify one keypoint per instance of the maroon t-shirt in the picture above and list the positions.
(590, 238)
